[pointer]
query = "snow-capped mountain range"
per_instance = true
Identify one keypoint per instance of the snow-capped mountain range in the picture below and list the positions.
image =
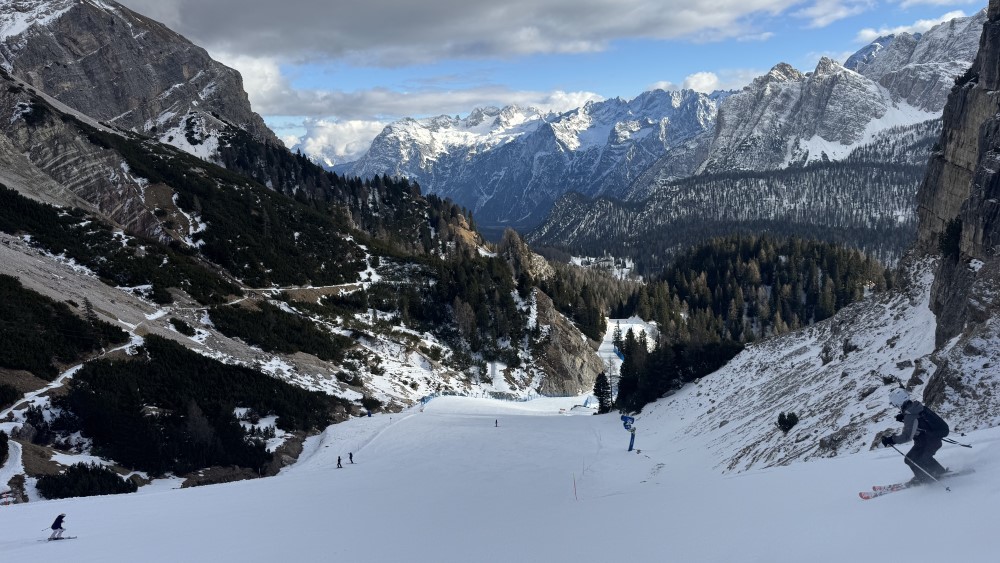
(509, 165)
(787, 118)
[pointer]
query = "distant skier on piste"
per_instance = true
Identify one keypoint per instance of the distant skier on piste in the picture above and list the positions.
(57, 529)
(925, 428)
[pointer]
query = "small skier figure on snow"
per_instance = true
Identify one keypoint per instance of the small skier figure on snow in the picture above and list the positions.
(925, 428)
(339, 466)
(350, 457)
(57, 529)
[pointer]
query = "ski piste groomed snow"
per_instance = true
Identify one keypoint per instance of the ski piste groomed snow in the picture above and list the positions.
(448, 485)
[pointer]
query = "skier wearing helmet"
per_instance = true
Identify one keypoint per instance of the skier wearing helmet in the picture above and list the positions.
(57, 528)
(925, 428)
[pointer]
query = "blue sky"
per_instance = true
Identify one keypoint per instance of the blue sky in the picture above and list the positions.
(330, 75)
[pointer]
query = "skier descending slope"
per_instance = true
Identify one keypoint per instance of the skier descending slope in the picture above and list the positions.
(925, 428)
(57, 528)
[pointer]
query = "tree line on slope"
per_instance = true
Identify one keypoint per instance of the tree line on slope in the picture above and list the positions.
(869, 205)
(83, 480)
(267, 326)
(118, 260)
(170, 409)
(38, 334)
(718, 296)
(391, 210)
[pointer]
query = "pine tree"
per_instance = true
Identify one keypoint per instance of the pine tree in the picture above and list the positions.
(616, 336)
(602, 390)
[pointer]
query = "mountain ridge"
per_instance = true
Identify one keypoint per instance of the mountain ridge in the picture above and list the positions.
(146, 79)
(624, 149)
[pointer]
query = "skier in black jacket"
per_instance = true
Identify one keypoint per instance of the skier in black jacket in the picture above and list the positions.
(57, 529)
(917, 426)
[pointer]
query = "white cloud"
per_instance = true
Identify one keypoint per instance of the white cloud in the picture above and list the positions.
(706, 82)
(824, 12)
(337, 141)
(272, 93)
(393, 33)
(262, 78)
(756, 36)
(911, 3)
(868, 35)
(558, 101)
(664, 85)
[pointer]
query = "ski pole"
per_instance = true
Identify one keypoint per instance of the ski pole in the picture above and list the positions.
(957, 443)
(917, 465)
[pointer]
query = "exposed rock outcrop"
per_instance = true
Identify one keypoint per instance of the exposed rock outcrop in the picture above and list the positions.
(960, 220)
(569, 360)
(961, 186)
(51, 160)
(127, 70)
(783, 117)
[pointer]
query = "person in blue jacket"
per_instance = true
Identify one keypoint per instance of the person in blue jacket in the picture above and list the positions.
(57, 529)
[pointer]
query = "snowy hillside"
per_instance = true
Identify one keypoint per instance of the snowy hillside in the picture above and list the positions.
(460, 479)
(480, 480)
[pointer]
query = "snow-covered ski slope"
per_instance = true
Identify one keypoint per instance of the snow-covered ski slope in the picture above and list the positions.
(447, 485)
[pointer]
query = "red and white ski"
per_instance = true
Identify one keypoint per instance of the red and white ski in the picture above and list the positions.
(881, 490)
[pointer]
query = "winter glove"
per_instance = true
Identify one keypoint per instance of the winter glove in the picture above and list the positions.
(887, 441)
(900, 417)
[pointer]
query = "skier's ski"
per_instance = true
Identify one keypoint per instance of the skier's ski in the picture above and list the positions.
(57, 539)
(898, 486)
(880, 490)
(867, 495)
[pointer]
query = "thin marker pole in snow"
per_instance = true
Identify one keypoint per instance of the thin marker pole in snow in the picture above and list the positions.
(574, 487)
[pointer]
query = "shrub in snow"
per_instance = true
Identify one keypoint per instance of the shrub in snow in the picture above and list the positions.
(8, 394)
(787, 421)
(370, 403)
(83, 480)
(182, 327)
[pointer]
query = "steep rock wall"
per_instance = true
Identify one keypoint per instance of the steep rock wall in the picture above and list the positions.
(959, 199)
(125, 69)
(962, 185)
(570, 362)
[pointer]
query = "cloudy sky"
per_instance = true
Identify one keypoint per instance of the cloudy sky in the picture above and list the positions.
(331, 74)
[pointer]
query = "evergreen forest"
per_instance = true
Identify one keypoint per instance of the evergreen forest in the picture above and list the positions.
(39, 335)
(718, 296)
(170, 409)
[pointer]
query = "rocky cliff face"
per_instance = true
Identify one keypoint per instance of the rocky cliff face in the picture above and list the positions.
(918, 69)
(960, 222)
(959, 189)
(48, 157)
(787, 118)
(568, 359)
(125, 70)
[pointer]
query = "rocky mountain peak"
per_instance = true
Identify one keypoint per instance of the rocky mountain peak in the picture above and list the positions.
(479, 115)
(866, 55)
(781, 72)
(124, 69)
(510, 170)
(827, 66)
